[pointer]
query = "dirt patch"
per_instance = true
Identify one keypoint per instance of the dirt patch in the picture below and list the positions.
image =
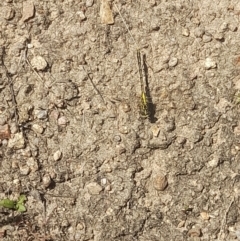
(73, 138)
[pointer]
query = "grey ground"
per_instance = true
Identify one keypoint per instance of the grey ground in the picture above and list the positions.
(91, 167)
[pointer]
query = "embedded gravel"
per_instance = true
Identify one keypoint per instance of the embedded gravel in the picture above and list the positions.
(72, 138)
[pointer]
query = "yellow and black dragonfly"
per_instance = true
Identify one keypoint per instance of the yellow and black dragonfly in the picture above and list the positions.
(146, 103)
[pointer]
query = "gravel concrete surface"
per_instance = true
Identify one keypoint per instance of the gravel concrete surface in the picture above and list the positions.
(73, 138)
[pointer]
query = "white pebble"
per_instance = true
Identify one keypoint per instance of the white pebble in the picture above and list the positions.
(173, 62)
(37, 128)
(210, 64)
(185, 32)
(41, 114)
(16, 181)
(89, 3)
(104, 181)
(81, 15)
(57, 155)
(38, 63)
(46, 180)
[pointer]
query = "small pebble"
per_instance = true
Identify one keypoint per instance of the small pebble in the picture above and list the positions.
(41, 114)
(4, 142)
(181, 224)
(81, 15)
(106, 14)
(219, 36)
(16, 181)
(155, 130)
(224, 27)
(106, 168)
(204, 215)
(71, 231)
(170, 125)
(125, 107)
(165, 58)
(37, 128)
(14, 128)
(15, 164)
(54, 14)
(207, 38)
(86, 105)
(160, 182)
(57, 155)
(117, 138)
(24, 169)
(159, 143)
(89, 3)
(185, 32)
(5, 132)
(155, 25)
(120, 149)
(210, 64)
(199, 32)
(233, 27)
(30, 46)
(199, 187)
(33, 164)
(173, 62)
(123, 129)
(152, 3)
(194, 232)
(9, 13)
(26, 152)
(54, 115)
(104, 181)
(108, 188)
(27, 10)
(62, 121)
(94, 188)
(46, 180)
(17, 142)
(38, 63)
(213, 163)
(80, 226)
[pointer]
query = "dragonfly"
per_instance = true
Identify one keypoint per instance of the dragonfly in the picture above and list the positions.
(147, 107)
(144, 104)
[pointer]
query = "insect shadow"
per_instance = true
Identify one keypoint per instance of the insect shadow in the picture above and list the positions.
(151, 105)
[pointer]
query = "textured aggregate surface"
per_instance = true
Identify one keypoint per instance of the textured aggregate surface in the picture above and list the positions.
(72, 138)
